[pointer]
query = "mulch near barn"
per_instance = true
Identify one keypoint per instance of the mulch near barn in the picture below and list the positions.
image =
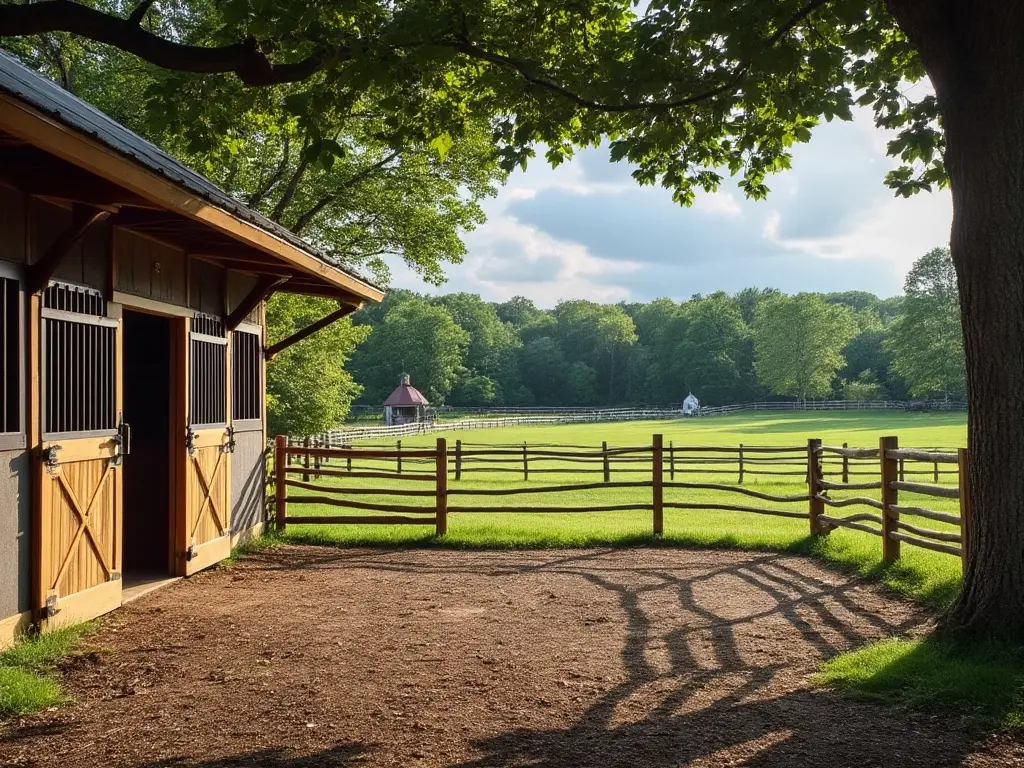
(304, 656)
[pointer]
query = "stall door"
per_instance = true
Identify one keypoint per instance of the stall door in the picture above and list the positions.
(79, 467)
(206, 533)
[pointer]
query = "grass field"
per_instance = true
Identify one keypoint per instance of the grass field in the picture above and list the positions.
(928, 576)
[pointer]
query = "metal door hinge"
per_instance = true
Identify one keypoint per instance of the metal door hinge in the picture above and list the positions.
(51, 606)
(190, 440)
(229, 446)
(50, 458)
(190, 553)
(115, 576)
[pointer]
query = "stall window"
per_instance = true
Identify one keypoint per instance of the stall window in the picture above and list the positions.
(11, 311)
(208, 371)
(246, 394)
(79, 359)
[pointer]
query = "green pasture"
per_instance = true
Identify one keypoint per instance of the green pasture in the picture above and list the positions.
(930, 576)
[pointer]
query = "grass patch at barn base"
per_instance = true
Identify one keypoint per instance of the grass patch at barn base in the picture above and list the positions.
(985, 684)
(27, 670)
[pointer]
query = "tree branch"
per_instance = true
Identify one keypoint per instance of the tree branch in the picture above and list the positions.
(136, 16)
(264, 189)
(303, 221)
(249, 62)
(245, 59)
(292, 186)
(730, 84)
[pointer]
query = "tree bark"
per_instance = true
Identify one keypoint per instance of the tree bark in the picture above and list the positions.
(973, 54)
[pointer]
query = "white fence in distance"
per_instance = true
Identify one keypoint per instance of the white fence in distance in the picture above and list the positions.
(347, 435)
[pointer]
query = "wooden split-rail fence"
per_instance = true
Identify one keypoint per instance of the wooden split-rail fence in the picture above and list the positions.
(309, 474)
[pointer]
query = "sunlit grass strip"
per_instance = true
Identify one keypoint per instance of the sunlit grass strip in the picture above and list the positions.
(28, 668)
(981, 683)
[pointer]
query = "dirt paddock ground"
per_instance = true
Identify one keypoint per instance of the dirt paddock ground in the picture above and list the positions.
(303, 656)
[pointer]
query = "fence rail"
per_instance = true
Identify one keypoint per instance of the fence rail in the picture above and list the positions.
(827, 503)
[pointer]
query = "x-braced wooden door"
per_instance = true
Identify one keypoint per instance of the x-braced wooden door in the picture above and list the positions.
(79, 466)
(205, 526)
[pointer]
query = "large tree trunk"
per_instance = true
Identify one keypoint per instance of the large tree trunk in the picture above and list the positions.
(974, 55)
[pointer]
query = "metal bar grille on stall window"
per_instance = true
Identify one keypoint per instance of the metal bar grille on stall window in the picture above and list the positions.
(79, 355)
(208, 369)
(246, 399)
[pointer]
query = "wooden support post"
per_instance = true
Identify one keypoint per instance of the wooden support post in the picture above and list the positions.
(305, 461)
(288, 442)
(526, 464)
(441, 484)
(935, 475)
(740, 479)
(348, 463)
(657, 480)
(280, 473)
(398, 459)
(846, 466)
(458, 459)
(816, 507)
(965, 507)
(671, 460)
(890, 471)
(903, 475)
(605, 465)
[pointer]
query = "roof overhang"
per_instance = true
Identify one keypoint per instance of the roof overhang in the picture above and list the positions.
(311, 274)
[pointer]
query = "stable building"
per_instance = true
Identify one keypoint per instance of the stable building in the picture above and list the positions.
(406, 405)
(132, 357)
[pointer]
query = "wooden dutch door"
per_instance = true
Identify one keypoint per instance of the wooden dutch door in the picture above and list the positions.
(79, 471)
(205, 528)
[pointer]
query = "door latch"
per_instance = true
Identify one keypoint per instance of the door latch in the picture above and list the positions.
(122, 443)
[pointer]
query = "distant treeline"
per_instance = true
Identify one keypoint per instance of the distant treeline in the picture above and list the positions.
(757, 343)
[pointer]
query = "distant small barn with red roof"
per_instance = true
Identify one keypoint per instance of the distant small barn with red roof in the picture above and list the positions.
(406, 404)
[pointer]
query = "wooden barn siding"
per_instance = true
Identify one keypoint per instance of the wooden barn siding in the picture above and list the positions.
(239, 285)
(12, 225)
(150, 269)
(15, 536)
(206, 290)
(247, 481)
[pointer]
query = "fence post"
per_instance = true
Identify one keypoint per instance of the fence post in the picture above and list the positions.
(891, 470)
(441, 485)
(604, 462)
(846, 466)
(526, 464)
(305, 461)
(280, 473)
(657, 479)
(348, 463)
(288, 443)
(671, 460)
(965, 506)
(398, 458)
(740, 480)
(935, 476)
(816, 507)
(458, 459)
(903, 475)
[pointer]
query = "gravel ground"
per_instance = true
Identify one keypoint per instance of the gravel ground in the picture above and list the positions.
(305, 656)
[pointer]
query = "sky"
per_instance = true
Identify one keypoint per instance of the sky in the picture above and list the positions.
(587, 230)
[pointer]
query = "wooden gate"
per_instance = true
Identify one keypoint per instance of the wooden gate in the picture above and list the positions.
(205, 530)
(79, 466)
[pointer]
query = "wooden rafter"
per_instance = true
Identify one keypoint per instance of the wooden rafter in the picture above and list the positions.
(263, 288)
(308, 331)
(83, 219)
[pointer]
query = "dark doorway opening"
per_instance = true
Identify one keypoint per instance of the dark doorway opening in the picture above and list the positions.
(147, 492)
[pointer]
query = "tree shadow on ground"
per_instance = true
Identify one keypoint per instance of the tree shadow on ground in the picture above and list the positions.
(340, 755)
(719, 700)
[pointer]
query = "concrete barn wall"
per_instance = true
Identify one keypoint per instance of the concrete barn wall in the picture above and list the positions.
(15, 533)
(247, 480)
